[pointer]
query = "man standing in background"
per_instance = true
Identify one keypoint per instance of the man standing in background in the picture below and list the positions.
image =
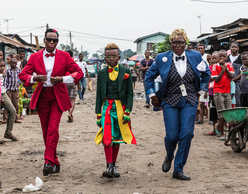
(144, 66)
(82, 83)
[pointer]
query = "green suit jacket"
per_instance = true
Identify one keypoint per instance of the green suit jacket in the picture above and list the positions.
(125, 88)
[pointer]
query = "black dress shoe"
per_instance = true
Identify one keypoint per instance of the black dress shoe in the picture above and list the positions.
(166, 164)
(48, 169)
(180, 176)
(115, 172)
(56, 169)
(109, 173)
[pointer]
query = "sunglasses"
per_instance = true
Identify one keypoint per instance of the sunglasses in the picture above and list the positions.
(180, 43)
(55, 40)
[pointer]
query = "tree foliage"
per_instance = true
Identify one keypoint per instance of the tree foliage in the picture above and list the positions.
(100, 54)
(127, 54)
(66, 47)
(162, 46)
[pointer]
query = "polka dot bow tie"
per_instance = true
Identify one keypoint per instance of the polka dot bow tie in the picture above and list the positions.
(49, 55)
(115, 69)
(181, 57)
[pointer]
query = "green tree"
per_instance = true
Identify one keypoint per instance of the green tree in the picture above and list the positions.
(96, 55)
(86, 54)
(64, 47)
(162, 46)
(127, 54)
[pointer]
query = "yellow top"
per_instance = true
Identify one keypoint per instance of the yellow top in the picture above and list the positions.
(114, 74)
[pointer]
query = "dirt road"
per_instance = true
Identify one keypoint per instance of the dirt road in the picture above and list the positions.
(213, 167)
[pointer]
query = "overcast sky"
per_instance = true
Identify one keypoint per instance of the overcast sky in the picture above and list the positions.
(128, 20)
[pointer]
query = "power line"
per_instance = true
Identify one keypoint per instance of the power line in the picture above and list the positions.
(22, 27)
(203, 1)
(106, 37)
(30, 29)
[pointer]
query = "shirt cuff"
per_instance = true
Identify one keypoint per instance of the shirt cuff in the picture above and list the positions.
(68, 79)
(151, 95)
(201, 92)
(32, 80)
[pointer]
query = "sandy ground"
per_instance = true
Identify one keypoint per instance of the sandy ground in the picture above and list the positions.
(213, 167)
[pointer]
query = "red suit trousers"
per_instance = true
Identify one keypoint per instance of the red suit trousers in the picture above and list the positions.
(50, 115)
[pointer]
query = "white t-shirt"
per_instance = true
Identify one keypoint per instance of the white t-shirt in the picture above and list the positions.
(233, 58)
(205, 58)
(82, 65)
(19, 64)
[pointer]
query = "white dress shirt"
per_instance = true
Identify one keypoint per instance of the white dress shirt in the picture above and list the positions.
(49, 64)
(181, 65)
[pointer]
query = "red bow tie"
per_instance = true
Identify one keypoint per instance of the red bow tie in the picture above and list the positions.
(49, 55)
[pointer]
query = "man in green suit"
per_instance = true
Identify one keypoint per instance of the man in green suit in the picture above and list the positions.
(114, 101)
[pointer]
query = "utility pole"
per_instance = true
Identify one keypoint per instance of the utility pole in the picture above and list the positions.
(31, 39)
(7, 20)
(199, 17)
(47, 26)
(0, 23)
(70, 41)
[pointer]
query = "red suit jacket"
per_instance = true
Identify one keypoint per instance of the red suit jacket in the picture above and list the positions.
(63, 63)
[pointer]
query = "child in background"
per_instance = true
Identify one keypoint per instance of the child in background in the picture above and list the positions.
(24, 100)
(222, 73)
(7, 65)
(213, 116)
(11, 82)
(134, 73)
(244, 80)
(19, 63)
(233, 87)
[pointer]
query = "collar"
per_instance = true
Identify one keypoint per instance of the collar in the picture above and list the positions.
(45, 52)
(113, 67)
(175, 55)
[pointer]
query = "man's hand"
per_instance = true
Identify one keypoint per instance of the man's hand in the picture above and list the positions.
(56, 80)
(40, 78)
(124, 121)
(156, 102)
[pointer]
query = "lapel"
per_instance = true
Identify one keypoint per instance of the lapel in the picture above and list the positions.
(191, 60)
(56, 61)
(167, 65)
(193, 64)
(120, 77)
(104, 76)
(40, 59)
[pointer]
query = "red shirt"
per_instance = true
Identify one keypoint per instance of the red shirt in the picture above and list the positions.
(223, 86)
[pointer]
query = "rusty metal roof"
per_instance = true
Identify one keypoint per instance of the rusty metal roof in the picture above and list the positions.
(12, 43)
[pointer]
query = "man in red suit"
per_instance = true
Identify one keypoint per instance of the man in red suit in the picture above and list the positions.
(51, 96)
